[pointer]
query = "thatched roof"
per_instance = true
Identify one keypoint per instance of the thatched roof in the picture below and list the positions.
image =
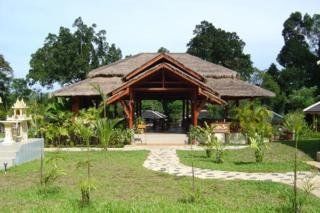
(313, 109)
(125, 66)
(219, 79)
(87, 87)
(228, 87)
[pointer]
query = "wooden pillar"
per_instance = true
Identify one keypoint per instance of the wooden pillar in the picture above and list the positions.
(131, 109)
(75, 104)
(194, 110)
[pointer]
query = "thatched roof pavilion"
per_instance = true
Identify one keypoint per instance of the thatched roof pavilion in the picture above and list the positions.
(163, 76)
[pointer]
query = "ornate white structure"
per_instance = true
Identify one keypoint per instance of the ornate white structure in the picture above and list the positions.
(16, 126)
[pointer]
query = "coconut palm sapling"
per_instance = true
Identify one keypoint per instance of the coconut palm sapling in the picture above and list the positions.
(85, 130)
(295, 123)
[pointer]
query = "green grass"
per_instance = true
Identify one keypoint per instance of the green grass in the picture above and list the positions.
(123, 185)
(278, 158)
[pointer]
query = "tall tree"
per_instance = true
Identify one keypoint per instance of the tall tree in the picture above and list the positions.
(19, 89)
(221, 47)
(68, 57)
(6, 74)
(163, 50)
(273, 71)
(301, 51)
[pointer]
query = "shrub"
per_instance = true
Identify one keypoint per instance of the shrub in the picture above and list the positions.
(53, 172)
(255, 123)
(206, 137)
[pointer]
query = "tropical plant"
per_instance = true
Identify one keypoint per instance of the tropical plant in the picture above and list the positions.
(86, 186)
(295, 122)
(206, 137)
(105, 129)
(54, 171)
(121, 137)
(255, 123)
(85, 130)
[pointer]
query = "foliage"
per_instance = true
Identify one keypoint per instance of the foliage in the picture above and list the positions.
(206, 136)
(221, 47)
(163, 50)
(295, 122)
(268, 82)
(152, 105)
(19, 89)
(86, 186)
(255, 123)
(54, 171)
(301, 98)
(6, 74)
(105, 129)
(121, 137)
(68, 56)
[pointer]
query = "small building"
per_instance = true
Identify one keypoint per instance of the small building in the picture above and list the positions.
(314, 111)
(162, 76)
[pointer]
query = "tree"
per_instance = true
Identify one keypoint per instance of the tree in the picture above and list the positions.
(276, 103)
(273, 71)
(6, 74)
(301, 98)
(68, 56)
(301, 51)
(163, 50)
(19, 89)
(220, 47)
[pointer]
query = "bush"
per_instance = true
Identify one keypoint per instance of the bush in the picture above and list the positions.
(121, 137)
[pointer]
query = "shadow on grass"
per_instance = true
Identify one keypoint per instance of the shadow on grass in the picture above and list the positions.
(309, 147)
(244, 163)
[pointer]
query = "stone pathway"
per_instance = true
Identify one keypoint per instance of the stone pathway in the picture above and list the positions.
(166, 160)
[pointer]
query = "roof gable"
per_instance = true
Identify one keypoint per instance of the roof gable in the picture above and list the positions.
(163, 58)
(125, 66)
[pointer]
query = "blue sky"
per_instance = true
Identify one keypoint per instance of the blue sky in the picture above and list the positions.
(144, 26)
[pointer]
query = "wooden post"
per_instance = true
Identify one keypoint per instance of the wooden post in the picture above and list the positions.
(194, 112)
(131, 108)
(75, 104)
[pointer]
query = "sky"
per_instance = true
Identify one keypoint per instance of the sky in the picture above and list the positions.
(145, 25)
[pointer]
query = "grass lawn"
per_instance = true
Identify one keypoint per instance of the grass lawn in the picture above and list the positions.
(278, 158)
(123, 185)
